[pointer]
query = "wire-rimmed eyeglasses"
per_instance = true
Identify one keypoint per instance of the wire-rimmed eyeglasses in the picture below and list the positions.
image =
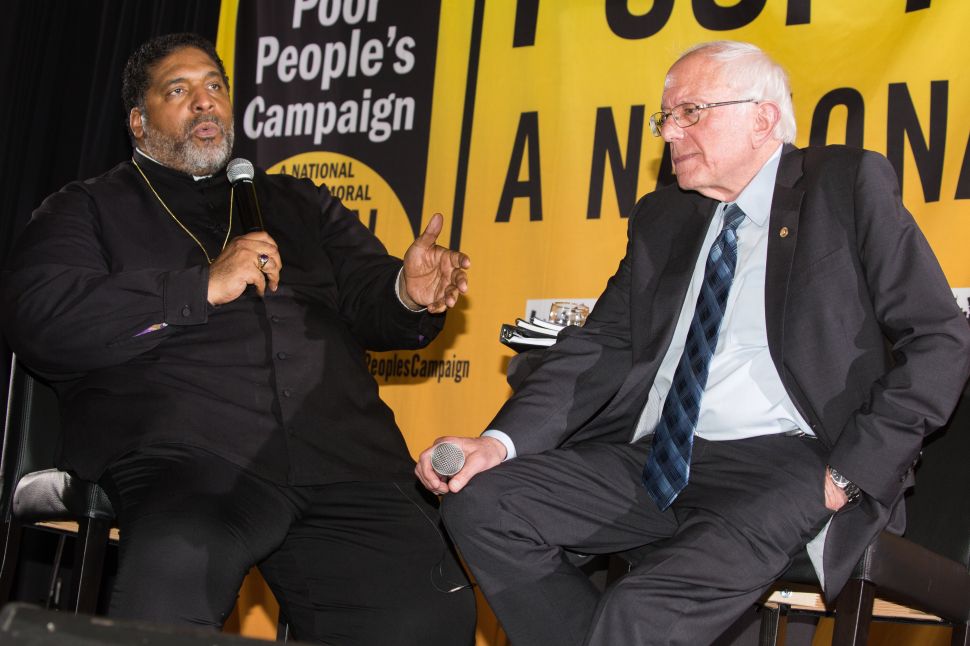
(687, 114)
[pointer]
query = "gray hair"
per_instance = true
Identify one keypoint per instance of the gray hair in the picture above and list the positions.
(749, 70)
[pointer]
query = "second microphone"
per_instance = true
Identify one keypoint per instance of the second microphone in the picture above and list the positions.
(447, 459)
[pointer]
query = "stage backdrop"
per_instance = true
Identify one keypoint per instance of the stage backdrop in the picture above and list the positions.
(525, 124)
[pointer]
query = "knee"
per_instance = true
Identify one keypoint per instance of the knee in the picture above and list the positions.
(471, 508)
(182, 570)
(180, 548)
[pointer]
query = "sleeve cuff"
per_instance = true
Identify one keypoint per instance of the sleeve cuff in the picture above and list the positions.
(505, 440)
(184, 296)
(397, 292)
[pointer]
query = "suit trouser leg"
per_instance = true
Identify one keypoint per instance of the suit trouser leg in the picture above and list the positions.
(192, 525)
(351, 563)
(749, 506)
(511, 524)
(367, 564)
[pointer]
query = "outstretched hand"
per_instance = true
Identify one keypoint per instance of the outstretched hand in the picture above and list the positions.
(433, 276)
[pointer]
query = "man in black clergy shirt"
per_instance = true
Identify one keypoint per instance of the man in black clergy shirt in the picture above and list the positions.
(214, 383)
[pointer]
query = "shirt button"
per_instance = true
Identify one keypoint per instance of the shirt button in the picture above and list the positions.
(186, 311)
(282, 355)
(287, 392)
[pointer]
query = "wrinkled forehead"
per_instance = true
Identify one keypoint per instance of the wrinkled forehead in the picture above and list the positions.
(695, 78)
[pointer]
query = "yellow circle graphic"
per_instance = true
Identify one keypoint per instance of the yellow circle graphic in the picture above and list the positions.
(360, 188)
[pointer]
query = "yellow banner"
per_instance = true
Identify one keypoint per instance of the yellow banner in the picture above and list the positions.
(537, 144)
(560, 147)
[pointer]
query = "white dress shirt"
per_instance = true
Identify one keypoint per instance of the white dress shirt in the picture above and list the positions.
(744, 396)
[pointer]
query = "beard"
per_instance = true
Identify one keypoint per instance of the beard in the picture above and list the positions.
(185, 153)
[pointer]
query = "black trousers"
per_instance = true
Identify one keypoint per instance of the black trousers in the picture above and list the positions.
(749, 506)
(350, 563)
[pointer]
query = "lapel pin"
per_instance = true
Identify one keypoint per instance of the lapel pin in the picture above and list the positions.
(783, 233)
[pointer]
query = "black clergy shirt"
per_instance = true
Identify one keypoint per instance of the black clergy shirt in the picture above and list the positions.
(106, 296)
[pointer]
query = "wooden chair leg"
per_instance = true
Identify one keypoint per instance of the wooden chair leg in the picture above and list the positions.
(89, 552)
(774, 624)
(961, 635)
(853, 613)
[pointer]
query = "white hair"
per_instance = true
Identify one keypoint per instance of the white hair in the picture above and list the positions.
(747, 69)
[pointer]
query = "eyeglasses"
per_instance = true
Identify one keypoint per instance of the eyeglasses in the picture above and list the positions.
(687, 114)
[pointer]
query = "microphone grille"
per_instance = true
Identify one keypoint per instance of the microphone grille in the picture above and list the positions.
(240, 169)
(447, 458)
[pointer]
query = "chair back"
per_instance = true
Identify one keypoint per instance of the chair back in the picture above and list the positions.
(943, 479)
(30, 433)
(33, 488)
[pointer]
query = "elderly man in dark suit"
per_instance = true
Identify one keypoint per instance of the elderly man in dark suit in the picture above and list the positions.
(759, 373)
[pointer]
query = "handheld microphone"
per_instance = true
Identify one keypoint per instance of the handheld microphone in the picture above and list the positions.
(447, 459)
(240, 173)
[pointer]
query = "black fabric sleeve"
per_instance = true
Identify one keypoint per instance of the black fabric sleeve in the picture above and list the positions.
(66, 312)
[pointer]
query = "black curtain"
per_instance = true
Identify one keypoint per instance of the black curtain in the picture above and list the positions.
(60, 81)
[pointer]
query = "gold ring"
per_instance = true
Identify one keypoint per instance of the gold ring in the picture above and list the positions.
(262, 261)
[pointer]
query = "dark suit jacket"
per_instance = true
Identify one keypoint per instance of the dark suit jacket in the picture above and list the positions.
(862, 327)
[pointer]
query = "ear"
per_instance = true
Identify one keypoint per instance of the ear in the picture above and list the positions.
(766, 117)
(134, 122)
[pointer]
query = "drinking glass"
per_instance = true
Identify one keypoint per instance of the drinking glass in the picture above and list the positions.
(566, 313)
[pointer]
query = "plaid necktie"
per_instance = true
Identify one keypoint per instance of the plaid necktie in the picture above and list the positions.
(668, 467)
